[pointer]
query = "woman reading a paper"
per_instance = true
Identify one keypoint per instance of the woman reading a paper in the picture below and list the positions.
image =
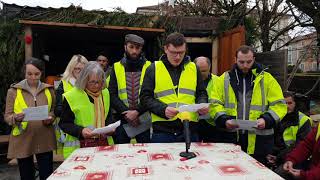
(31, 136)
(85, 108)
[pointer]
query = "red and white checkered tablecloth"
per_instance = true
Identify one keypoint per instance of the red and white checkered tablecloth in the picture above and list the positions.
(162, 162)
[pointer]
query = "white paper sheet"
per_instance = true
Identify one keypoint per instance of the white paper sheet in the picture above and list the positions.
(36, 113)
(192, 107)
(107, 129)
(246, 124)
(145, 124)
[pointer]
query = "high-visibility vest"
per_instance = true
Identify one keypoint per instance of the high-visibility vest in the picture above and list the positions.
(209, 90)
(318, 133)
(84, 113)
(20, 104)
(107, 81)
(121, 80)
(290, 133)
(165, 92)
(60, 135)
(67, 86)
(224, 101)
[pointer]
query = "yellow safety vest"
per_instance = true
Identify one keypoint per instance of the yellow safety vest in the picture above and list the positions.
(67, 86)
(20, 104)
(121, 80)
(209, 90)
(224, 101)
(318, 133)
(290, 133)
(165, 92)
(84, 114)
(60, 135)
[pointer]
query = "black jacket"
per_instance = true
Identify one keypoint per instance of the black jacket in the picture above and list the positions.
(116, 103)
(67, 120)
(59, 106)
(155, 106)
(291, 119)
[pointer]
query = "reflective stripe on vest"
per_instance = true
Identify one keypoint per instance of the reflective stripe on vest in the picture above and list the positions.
(20, 104)
(209, 88)
(84, 114)
(121, 80)
(60, 135)
(257, 107)
(290, 133)
(164, 89)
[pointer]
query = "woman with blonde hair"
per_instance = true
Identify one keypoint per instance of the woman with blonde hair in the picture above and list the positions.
(69, 78)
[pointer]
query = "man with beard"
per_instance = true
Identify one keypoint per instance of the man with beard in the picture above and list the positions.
(125, 82)
(248, 92)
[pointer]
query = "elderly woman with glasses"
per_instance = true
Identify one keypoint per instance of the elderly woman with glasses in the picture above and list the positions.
(87, 106)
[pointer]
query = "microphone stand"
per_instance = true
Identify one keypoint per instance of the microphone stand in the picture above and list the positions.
(187, 154)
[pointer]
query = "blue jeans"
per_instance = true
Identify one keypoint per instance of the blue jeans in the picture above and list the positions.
(171, 138)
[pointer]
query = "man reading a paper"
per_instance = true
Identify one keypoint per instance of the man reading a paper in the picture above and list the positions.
(248, 92)
(125, 83)
(85, 108)
(171, 82)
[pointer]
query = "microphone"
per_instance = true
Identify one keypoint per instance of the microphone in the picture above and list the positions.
(186, 134)
(187, 154)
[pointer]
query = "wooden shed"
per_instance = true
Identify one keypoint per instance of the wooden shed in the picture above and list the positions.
(57, 42)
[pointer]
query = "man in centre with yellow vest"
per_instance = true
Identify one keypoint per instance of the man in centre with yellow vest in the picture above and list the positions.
(248, 92)
(171, 82)
(125, 82)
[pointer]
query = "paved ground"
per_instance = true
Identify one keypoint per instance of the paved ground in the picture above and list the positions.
(11, 172)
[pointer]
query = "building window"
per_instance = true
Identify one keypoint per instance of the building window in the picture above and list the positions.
(302, 67)
(314, 66)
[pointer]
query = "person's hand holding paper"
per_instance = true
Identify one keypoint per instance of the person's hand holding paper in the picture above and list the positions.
(171, 112)
(18, 117)
(106, 130)
(48, 121)
(230, 124)
(203, 111)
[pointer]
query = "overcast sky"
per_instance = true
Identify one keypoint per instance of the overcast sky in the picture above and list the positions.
(129, 6)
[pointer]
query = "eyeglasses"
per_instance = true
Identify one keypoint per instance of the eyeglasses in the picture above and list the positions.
(176, 53)
(92, 82)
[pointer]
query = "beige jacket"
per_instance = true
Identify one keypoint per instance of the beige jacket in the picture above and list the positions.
(37, 138)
